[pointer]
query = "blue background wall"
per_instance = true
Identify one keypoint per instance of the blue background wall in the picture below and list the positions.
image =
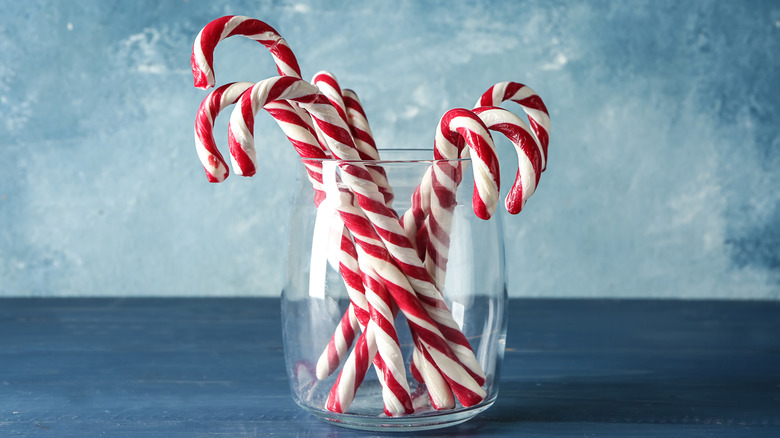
(664, 163)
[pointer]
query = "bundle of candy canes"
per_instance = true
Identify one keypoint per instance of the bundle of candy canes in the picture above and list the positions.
(389, 262)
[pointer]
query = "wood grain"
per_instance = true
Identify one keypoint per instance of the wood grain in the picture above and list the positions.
(177, 367)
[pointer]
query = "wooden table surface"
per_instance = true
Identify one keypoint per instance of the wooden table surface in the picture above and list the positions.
(185, 367)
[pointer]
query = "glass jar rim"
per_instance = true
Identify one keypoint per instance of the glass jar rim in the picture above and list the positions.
(395, 152)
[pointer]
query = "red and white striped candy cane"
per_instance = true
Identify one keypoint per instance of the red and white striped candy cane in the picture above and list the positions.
(461, 134)
(338, 346)
(392, 255)
(364, 141)
(529, 169)
(378, 343)
(355, 118)
(439, 392)
(413, 219)
(205, 145)
(379, 336)
(329, 86)
(331, 358)
(358, 124)
(202, 59)
(531, 103)
(398, 400)
(361, 133)
(529, 155)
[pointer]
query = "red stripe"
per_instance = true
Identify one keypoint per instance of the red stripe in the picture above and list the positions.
(514, 199)
(363, 136)
(333, 356)
(279, 87)
(541, 134)
(354, 105)
(435, 229)
(286, 54)
(478, 205)
(252, 27)
(487, 97)
(247, 115)
(243, 160)
(335, 132)
(533, 101)
(511, 89)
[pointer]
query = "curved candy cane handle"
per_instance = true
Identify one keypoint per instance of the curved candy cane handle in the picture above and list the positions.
(202, 59)
(205, 145)
(531, 103)
(459, 126)
(530, 157)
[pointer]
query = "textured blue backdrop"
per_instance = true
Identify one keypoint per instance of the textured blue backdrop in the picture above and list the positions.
(664, 163)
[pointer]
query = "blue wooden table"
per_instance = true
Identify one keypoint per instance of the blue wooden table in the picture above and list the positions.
(214, 368)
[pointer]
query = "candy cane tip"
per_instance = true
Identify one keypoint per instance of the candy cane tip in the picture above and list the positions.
(199, 77)
(216, 177)
(514, 206)
(482, 211)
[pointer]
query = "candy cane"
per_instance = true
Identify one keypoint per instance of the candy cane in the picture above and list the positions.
(355, 118)
(413, 219)
(391, 255)
(358, 124)
(205, 145)
(303, 141)
(329, 86)
(339, 344)
(358, 306)
(346, 104)
(202, 59)
(530, 157)
(364, 141)
(531, 152)
(461, 134)
(379, 336)
(532, 105)
(442, 198)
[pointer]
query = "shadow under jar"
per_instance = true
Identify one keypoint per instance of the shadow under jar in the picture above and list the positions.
(346, 297)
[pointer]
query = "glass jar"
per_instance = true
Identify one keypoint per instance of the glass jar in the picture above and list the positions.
(331, 334)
